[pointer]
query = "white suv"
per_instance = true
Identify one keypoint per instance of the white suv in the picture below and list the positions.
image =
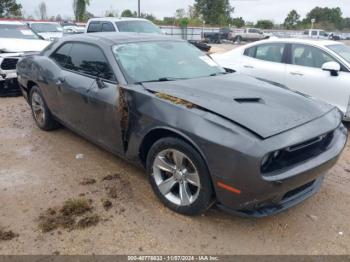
(113, 24)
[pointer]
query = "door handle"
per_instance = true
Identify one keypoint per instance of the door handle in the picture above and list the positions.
(248, 66)
(296, 73)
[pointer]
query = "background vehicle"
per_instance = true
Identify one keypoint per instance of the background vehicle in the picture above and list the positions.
(131, 25)
(50, 31)
(16, 40)
(217, 37)
(113, 24)
(134, 95)
(316, 33)
(319, 68)
(72, 28)
(248, 35)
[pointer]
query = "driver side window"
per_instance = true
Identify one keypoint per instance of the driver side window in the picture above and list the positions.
(309, 56)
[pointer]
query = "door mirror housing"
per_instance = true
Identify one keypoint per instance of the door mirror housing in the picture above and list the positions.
(332, 67)
(100, 83)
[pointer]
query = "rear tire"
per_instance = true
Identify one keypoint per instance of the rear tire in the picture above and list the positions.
(179, 176)
(41, 113)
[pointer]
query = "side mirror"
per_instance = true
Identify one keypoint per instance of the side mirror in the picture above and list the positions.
(332, 67)
(100, 83)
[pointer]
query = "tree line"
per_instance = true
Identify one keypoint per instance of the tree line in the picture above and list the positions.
(203, 12)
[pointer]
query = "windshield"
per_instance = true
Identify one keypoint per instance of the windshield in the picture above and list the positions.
(341, 50)
(153, 61)
(46, 27)
(138, 27)
(16, 31)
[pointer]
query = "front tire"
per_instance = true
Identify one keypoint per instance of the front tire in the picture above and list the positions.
(41, 113)
(179, 176)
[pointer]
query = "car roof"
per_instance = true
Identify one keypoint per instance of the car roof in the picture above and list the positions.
(9, 22)
(42, 22)
(316, 42)
(112, 38)
(117, 19)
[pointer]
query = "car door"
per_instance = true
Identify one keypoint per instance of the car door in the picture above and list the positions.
(305, 74)
(90, 96)
(265, 61)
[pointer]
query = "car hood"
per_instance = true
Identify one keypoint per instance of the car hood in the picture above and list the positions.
(15, 45)
(262, 108)
(51, 35)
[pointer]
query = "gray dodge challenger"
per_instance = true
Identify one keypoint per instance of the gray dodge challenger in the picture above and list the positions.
(204, 135)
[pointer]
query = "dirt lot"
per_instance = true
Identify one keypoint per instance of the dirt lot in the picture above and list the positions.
(40, 170)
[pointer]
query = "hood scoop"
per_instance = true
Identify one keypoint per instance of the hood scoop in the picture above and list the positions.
(243, 100)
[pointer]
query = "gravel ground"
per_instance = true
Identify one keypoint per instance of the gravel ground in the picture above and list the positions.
(41, 170)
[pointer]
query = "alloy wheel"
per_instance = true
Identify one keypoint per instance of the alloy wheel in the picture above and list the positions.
(176, 177)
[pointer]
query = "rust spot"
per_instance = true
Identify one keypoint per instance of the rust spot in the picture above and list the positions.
(175, 100)
(123, 110)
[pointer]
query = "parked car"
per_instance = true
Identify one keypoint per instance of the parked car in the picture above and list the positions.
(16, 40)
(50, 31)
(130, 25)
(204, 136)
(319, 68)
(316, 33)
(72, 28)
(217, 37)
(247, 35)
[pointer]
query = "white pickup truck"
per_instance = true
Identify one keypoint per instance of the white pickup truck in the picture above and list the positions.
(247, 34)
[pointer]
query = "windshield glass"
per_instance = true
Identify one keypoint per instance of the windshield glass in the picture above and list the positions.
(151, 61)
(138, 27)
(46, 27)
(341, 50)
(16, 31)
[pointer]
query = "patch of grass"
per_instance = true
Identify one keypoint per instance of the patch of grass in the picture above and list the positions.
(7, 235)
(75, 207)
(88, 221)
(64, 217)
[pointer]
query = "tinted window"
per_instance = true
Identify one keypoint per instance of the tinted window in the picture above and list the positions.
(61, 56)
(108, 27)
(94, 27)
(309, 56)
(138, 27)
(89, 59)
(270, 52)
(314, 33)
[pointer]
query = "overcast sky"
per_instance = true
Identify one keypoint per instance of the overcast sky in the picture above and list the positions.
(250, 10)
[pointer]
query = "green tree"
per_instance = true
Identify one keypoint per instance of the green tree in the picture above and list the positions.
(292, 21)
(328, 18)
(9, 8)
(264, 24)
(216, 12)
(127, 13)
(79, 8)
(238, 22)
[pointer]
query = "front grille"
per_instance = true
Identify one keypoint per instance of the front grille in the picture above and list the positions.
(295, 154)
(9, 64)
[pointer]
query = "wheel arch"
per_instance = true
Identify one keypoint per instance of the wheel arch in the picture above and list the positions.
(158, 133)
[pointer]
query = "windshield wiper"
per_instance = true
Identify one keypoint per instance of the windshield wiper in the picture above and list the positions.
(162, 79)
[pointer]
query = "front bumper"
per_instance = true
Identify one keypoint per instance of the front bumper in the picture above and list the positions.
(259, 196)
